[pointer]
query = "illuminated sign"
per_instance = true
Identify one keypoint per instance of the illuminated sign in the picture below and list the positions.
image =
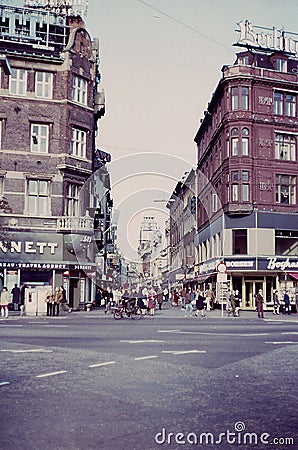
(275, 40)
(67, 7)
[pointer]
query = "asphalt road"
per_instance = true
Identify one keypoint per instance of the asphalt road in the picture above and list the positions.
(84, 381)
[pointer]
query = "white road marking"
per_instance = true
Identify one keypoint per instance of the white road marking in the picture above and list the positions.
(36, 350)
(4, 383)
(146, 357)
(51, 374)
(281, 343)
(11, 325)
(168, 331)
(102, 364)
(215, 333)
(290, 332)
(182, 352)
(56, 326)
(149, 341)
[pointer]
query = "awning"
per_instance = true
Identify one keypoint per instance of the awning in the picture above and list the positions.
(293, 275)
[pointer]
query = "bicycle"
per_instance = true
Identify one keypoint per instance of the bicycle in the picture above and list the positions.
(131, 311)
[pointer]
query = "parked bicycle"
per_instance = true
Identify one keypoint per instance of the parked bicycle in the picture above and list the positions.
(127, 309)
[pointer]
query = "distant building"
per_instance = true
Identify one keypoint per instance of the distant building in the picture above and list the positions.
(50, 103)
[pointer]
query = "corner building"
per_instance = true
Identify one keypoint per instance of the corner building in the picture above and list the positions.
(49, 107)
(247, 149)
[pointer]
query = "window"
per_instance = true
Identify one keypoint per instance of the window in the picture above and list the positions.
(244, 98)
(244, 61)
(285, 147)
(0, 134)
(38, 197)
(44, 84)
(281, 65)
(72, 200)
(286, 242)
(235, 101)
(235, 175)
(79, 90)
(235, 192)
(240, 242)
(78, 143)
(285, 189)
(244, 142)
(245, 185)
(39, 138)
(18, 82)
(278, 109)
(290, 105)
(235, 142)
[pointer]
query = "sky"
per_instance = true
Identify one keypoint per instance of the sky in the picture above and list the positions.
(160, 62)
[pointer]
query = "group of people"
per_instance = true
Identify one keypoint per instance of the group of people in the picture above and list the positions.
(55, 300)
(6, 298)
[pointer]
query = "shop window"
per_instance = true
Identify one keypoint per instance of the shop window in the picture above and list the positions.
(240, 242)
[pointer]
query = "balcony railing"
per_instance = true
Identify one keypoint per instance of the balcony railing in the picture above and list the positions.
(75, 224)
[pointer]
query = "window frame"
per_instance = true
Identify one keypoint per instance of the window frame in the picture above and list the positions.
(284, 141)
(42, 203)
(19, 82)
(80, 93)
(38, 139)
(45, 85)
(78, 143)
(291, 185)
(72, 200)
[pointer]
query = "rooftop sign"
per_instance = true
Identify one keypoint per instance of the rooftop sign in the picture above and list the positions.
(67, 7)
(275, 40)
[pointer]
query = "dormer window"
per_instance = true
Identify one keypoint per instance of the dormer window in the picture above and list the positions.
(281, 65)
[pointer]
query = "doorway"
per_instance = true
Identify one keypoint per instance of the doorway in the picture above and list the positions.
(251, 289)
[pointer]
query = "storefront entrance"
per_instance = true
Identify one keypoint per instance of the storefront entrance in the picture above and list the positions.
(251, 288)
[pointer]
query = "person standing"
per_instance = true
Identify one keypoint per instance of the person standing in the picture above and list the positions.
(183, 297)
(200, 304)
(276, 302)
(151, 301)
(188, 305)
(4, 300)
(232, 303)
(49, 302)
(287, 303)
(57, 301)
(16, 297)
(159, 298)
(260, 304)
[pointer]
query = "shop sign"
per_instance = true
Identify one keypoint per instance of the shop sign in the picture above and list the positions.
(29, 247)
(276, 40)
(246, 264)
(282, 264)
(32, 265)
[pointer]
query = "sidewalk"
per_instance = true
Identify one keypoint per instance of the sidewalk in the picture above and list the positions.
(169, 312)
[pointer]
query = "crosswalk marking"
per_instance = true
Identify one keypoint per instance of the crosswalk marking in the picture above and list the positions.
(182, 352)
(146, 357)
(35, 350)
(51, 374)
(102, 364)
(149, 341)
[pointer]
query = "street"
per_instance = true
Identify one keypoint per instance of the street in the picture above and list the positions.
(85, 381)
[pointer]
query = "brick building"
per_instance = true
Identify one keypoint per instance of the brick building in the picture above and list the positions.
(49, 107)
(247, 150)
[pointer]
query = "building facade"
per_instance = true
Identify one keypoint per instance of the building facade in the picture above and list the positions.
(50, 105)
(247, 212)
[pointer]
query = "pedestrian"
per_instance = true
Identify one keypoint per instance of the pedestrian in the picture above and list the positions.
(296, 300)
(276, 302)
(200, 304)
(232, 304)
(208, 299)
(188, 305)
(64, 304)
(237, 304)
(109, 300)
(159, 298)
(4, 300)
(228, 300)
(98, 298)
(49, 302)
(151, 301)
(183, 295)
(16, 297)
(57, 301)
(287, 303)
(142, 302)
(260, 304)
(175, 297)
(166, 294)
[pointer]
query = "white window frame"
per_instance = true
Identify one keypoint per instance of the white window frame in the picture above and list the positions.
(1, 121)
(78, 143)
(290, 106)
(286, 190)
(38, 197)
(44, 86)
(244, 98)
(72, 200)
(285, 147)
(278, 103)
(235, 192)
(39, 142)
(235, 98)
(18, 82)
(80, 90)
(281, 65)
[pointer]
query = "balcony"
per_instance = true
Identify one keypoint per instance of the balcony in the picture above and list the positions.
(75, 224)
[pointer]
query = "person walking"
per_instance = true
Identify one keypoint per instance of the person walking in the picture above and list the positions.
(232, 303)
(4, 300)
(200, 304)
(188, 305)
(287, 303)
(260, 304)
(151, 301)
(16, 297)
(64, 304)
(159, 298)
(237, 304)
(276, 302)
